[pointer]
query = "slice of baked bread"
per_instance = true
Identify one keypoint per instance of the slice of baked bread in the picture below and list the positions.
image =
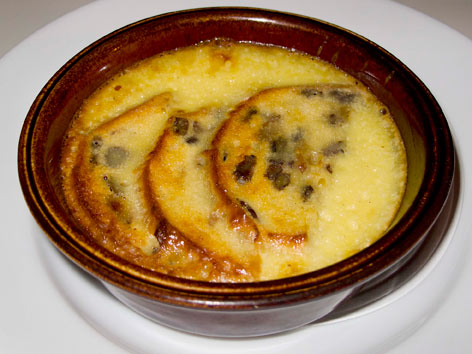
(279, 148)
(109, 174)
(183, 192)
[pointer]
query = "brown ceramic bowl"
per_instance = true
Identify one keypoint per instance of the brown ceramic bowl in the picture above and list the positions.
(262, 307)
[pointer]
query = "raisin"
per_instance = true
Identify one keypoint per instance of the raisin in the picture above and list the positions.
(273, 171)
(248, 209)
(281, 181)
(191, 140)
(342, 96)
(277, 161)
(115, 156)
(180, 126)
(335, 148)
(268, 131)
(298, 136)
(307, 191)
(278, 145)
(310, 92)
(336, 119)
(245, 169)
(251, 111)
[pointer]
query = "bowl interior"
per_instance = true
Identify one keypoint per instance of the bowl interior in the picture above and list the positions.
(418, 116)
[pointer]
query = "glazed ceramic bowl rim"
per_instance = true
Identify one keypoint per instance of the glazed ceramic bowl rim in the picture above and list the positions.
(357, 268)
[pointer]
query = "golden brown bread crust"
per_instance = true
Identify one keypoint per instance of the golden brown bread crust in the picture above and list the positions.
(180, 257)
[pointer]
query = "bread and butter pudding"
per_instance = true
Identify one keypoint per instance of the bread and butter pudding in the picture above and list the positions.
(233, 162)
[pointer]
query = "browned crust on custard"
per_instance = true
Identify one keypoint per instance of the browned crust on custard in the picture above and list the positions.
(286, 240)
(204, 264)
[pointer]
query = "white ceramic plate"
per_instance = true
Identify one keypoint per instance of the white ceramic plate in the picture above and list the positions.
(44, 299)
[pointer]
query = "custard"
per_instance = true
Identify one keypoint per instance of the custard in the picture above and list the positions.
(233, 162)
